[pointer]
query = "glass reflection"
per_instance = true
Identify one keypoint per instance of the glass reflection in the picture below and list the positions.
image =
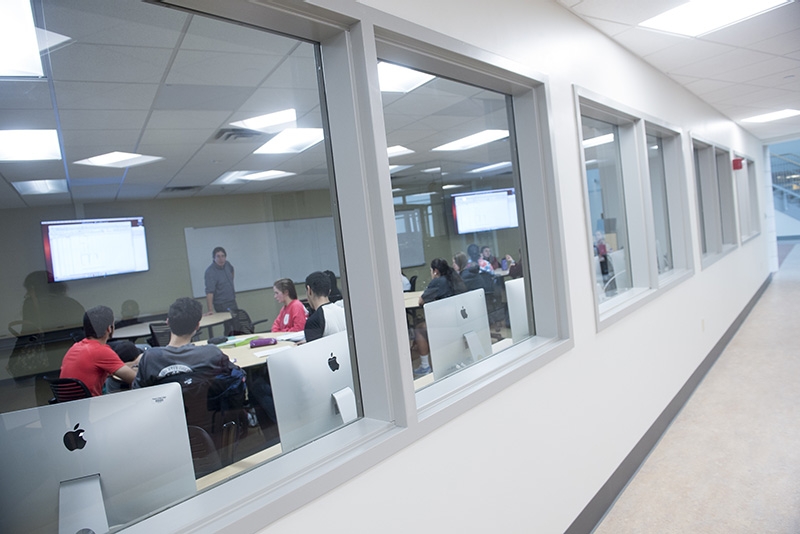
(658, 191)
(606, 207)
(456, 206)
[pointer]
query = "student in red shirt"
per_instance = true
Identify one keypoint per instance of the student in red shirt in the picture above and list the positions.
(91, 360)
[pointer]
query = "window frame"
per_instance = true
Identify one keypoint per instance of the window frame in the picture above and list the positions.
(747, 199)
(633, 127)
(716, 202)
(391, 418)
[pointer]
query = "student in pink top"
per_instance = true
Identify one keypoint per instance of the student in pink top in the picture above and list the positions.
(292, 317)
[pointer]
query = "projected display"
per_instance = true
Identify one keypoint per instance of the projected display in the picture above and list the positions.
(482, 211)
(90, 248)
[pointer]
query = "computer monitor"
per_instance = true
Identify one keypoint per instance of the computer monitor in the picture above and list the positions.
(313, 391)
(458, 331)
(517, 310)
(94, 463)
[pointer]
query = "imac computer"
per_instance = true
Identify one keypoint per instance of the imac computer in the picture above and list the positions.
(94, 463)
(517, 310)
(458, 331)
(312, 386)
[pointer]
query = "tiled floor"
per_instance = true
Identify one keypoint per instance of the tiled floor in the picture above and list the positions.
(730, 462)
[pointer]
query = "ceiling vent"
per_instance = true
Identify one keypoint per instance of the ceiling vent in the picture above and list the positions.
(182, 189)
(234, 135)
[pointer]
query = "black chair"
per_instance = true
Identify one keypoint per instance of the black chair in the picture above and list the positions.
(413, 282)
(241, 323)
(67, 389)
(160, 333)
(205, 457)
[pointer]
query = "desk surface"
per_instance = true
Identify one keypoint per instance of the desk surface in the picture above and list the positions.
(244, 356)
(143, 329)
(411, 298)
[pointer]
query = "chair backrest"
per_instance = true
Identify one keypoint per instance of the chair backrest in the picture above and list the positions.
(413, 282)
(241, 323)
(67, 389)
(160, 333)
(204, 453)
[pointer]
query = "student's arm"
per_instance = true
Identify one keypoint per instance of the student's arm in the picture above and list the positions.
(210, 302)
(126, 374)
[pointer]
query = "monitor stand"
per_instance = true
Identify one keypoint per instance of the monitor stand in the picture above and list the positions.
(475, 347)
(80, 506)
(345, 402)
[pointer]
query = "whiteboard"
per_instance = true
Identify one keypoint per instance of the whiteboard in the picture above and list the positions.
(409, 238)
(264, 252)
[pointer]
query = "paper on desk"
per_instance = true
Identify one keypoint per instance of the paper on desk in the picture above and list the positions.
(267, 352)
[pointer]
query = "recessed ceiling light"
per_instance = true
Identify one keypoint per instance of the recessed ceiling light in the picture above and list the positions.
(599, 140)
(292, 141)
(432, 169)
(397, 168)
(29, 145)
(241, 177)
(704, 16)
(774, 116)
(41, 187)
(18, 42)
(471, 141)
(493, 167)
(398, 150)
(397, 79)
(269, 123)
(118, 160)
(452, 186)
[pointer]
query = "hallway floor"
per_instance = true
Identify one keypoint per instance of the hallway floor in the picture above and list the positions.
(730, 461)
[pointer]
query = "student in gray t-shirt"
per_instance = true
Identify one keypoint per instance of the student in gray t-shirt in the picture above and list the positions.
(220, 293)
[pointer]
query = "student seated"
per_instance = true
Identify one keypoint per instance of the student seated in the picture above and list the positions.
(91, 360)
(129, 353)
(327, 318)
(292, 317)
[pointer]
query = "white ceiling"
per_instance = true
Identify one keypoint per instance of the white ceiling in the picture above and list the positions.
(743, 70)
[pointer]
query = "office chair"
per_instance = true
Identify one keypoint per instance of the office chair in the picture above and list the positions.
(413, 282)
(241, 323)
(205, 457)
(160, 333)
(67, 389)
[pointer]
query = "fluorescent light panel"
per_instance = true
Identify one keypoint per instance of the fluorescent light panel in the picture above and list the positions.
(397, 79)
(118, 160)
(49, 41)
(41, 187)
(20, 56)
(452, 186)
(599, 140)
(29, 145)
(269, 123)
(241, 177)
(398, 150)
(471, 141)
(774, 116)
(397, 168)
(493, 167)
(704, 16)
(292, 141)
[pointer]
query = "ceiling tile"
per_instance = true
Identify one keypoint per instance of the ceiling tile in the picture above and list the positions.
(703, 86)
(755, 29)
(688, 51)
(104, 95)
(624, 11)
(200, 67)
(645, 42)
(760, 69)
(726, 62)
(24, 94)
(123, 64)
(781, 44)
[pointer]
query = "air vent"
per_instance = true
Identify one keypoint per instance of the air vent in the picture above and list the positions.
(234, 135)
(181, 189)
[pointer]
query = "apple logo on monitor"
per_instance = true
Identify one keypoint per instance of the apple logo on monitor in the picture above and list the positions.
(464, 312)
(332, 363)
(74, 438)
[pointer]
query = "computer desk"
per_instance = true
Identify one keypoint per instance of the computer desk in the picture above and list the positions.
(244, 356)
(134, 331)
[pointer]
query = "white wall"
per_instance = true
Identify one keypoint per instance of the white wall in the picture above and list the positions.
(530, 458)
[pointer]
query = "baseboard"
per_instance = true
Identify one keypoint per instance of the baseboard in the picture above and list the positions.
(597, 508)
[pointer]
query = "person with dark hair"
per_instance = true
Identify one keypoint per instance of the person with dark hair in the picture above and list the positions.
(476, 259)
(327, 317)
(292, 317)
(220, 293)
(460, 262)
(91, 360)
(335, 295)
(445, 282)
(181, 356)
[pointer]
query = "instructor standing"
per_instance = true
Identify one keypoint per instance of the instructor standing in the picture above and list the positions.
(220, 293)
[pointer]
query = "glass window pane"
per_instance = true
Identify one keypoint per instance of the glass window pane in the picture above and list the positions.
(658, 190)
(177, 134)
(452, 169)
(607, 207)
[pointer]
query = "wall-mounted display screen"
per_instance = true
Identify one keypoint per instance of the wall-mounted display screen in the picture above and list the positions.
(481, 211)
(90, 248)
